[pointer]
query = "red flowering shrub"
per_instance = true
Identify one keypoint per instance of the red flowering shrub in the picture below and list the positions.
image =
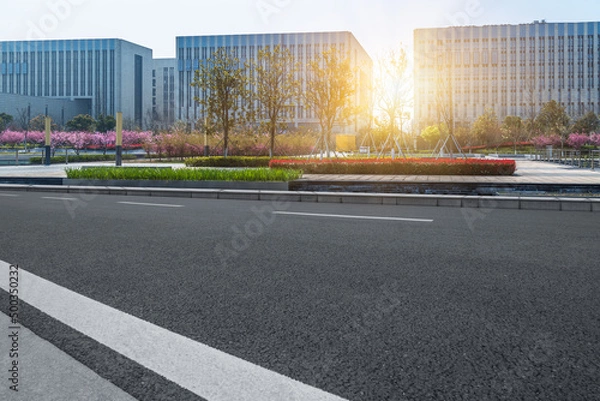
(401, 166)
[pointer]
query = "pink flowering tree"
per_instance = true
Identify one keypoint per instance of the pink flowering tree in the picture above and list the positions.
(595, 139)
(577, 141)
(542, 141)
(104, 140)
(36, 138)
(79, 140)
(11, 138)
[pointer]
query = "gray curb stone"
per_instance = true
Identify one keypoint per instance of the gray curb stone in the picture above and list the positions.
(478, 202)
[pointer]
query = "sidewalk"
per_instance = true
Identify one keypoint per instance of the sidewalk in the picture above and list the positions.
(528, 172)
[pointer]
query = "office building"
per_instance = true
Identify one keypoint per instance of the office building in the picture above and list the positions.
(165, 92)
(193, 50)
(101, 76)
(511, 69)
(104, 76)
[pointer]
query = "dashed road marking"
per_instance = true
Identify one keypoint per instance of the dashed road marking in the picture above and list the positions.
(9, 196)
(343, 216)
(150, 204)
(60, 198)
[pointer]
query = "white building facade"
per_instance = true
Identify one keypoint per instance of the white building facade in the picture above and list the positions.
(511, 69)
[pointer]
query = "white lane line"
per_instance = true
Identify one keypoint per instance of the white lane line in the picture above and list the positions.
(205, 371)
(9, 196)
(342, 216)
(59, 198)
(149, 204)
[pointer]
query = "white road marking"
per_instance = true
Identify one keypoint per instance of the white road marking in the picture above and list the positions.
(205, 371)
(149, 204)
(342, 216)
(59, 198)
(9, 195)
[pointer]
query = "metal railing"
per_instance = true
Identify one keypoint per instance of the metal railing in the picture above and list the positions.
(574, 158)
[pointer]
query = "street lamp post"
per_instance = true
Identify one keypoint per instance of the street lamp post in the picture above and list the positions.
(206, 149)
(48, 126)
(119, 141)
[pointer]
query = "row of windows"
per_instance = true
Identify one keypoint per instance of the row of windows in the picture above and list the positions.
(469, 111)
(62, 74)
(475, 58)
(513, 43)
(245, 52)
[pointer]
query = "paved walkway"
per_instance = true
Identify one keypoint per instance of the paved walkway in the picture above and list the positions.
(58, 170)
(528, 172)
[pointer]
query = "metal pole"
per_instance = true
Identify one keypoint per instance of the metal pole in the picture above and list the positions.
(119, 141)
(48, 126)
(206, 148)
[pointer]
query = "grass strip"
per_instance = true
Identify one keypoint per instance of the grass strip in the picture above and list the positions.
(184, 174)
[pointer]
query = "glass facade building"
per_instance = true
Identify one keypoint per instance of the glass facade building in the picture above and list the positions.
(108, 74)
(193, 50)
(511, 69)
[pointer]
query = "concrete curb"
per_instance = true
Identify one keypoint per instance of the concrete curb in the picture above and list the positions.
(473, 202)
(250, 185)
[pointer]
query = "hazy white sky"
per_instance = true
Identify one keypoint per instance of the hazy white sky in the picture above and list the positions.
(377, 24)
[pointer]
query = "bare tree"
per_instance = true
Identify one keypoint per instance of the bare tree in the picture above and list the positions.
(444, 104)
(222, 81)
(330, 88)
(23, 120)
(275, 87)
(393, 91)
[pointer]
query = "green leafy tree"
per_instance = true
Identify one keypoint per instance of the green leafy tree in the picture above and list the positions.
(433, 133)
(553, 120)
(330, 89)
(38, 123)
(513, 129)
(105, 123)
(5, 120)
(82, 123)
(462, 131)
(222, 81)
(486, 129)
(275, 88)
(587, 124)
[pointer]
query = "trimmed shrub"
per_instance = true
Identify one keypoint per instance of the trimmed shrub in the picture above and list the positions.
(401, 166)
(80, 159)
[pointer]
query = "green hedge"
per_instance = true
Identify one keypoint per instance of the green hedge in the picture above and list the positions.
(184, 174)
(401, 166)
(80, 159)
(233, 161)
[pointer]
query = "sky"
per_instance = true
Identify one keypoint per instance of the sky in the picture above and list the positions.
(379, 25)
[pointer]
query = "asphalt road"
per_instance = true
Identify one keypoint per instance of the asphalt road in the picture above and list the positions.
(474, 305)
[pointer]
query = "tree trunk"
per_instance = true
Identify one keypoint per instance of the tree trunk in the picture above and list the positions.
(225, 141)
(272, 146)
